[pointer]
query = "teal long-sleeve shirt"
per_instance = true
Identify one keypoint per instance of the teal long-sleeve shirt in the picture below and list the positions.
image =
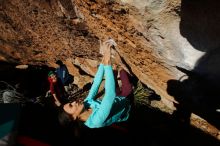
(111, 108)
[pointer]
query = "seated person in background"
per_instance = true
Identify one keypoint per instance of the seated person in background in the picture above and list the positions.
(57, 89)
(63, 73)
(95, 113)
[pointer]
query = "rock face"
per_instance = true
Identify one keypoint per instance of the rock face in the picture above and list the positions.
(153, 37)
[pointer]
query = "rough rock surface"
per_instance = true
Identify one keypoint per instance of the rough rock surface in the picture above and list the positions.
(153, 37)
(39, 33)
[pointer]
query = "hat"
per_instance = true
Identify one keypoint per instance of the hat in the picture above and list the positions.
(50, 73)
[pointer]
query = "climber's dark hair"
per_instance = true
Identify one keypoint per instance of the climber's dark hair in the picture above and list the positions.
(64, 118)
(67, 122)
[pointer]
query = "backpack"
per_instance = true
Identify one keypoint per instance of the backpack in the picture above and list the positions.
(142, 94)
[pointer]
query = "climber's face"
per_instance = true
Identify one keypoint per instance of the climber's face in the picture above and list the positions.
(53, 77)
(73, 108)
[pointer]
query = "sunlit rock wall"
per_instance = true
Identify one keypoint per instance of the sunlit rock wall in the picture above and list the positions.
(153, 36)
